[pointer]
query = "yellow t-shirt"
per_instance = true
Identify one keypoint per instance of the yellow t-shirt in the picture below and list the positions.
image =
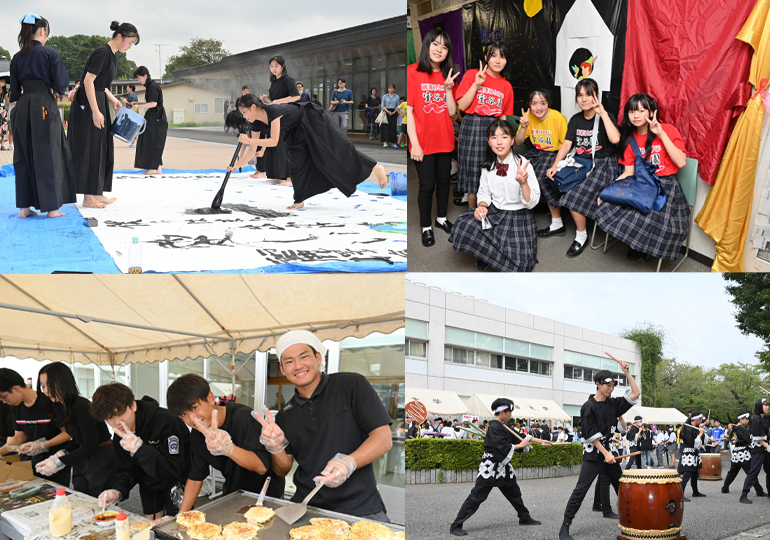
(549, 133)
(402, 108)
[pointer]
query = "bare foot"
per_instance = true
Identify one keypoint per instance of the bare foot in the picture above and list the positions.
(296, 206)
(286, 182)
(151, 171)
(105, 200)
(259, 174)
(382, 177)
(26, 212)
(91, 203)
(55, 213)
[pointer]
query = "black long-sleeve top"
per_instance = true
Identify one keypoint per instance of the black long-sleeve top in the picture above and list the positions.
(758, 433)
(40, 64)
(87, 434)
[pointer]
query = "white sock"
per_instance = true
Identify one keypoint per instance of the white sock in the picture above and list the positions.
(556, 223)
(581, 237)
(465, 198)
(441, 220)
(424, 229)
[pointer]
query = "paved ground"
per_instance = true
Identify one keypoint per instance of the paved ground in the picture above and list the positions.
(551, 252)
(431, 508)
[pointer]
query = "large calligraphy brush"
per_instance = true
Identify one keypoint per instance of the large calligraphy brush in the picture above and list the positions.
(216, 204)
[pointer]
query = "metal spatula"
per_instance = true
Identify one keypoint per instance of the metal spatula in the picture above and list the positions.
(294, 511)
(260, 499)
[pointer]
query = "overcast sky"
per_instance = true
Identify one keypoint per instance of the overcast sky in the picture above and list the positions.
(241, 26)
(694, 308)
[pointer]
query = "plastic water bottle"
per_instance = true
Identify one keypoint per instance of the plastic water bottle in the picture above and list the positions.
(135, 257)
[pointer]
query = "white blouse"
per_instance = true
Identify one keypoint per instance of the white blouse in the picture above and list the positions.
(504, 191)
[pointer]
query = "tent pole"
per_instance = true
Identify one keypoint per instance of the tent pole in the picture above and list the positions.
(232, 364)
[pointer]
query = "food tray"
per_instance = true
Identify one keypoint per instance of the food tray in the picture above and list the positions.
(224, 510)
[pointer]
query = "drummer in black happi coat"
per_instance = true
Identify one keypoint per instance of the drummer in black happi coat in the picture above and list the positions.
(41, 159)
(93, 153)
(150, 145)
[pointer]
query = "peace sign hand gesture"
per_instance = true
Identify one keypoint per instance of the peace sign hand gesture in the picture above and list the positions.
(218, 442)
(481, 76)
(272, 436)
(450, 80)
(128, 440)
(524, 121)
(598, 107)
(655, 126)
(521, 172)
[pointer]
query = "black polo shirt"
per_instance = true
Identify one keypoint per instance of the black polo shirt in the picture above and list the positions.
(244, 430)
(36, 423)
(337, 418)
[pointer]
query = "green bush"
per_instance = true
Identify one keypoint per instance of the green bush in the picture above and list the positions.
(65, 112)
(459, 455)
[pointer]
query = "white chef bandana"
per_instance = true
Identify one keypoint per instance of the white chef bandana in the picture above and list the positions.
(295, 337)
(696, 417)
(503, 408)
(744, 415)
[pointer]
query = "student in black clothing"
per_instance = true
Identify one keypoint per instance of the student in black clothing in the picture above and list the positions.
(225, 437)
(634, 436)
(321, 157)
(598, 420)
(152, 449)
(759, 447)
(691, 462)
(740, 456)
(45, 178)
(33, 427)
(150, 144)
(90, 452)
(334, 426)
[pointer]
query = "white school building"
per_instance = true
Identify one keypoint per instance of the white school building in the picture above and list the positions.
(469, 346)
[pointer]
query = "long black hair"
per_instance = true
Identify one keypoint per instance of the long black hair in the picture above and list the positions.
(758, 406)
(499, 47)
(489, 162)
(281, 62)
(693, 412)
(27, 34)
(61, 385)
(423, 62)
(248, 100)
(127, 30)
(589, 86)
(627, 129)
(141, 70)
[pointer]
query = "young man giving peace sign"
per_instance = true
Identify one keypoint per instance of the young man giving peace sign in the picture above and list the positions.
(225, 437)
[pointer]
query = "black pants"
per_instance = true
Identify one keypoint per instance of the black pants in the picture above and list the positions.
(733, 472)
(433, 171)
(688, 476)
(389, 131)
(588, 473)
(154, 501)
(758, 460)
(637, 459)
(602, 494)
(479, 494)
(95, 473)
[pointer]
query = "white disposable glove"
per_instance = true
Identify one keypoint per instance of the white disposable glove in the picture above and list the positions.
(339, 469)
(218, 442)
(129, 441)
(50, 466)
(109, 497)
(33, 448)
(272, 436)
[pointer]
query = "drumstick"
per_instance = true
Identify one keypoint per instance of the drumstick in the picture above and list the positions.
(627, 455)
(608, 354)
(514, 433)
(709, 417)
(765, 391)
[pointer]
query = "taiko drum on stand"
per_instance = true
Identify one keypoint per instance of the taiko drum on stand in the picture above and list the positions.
(651, 505)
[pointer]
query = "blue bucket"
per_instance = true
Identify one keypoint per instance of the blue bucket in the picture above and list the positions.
(128, 125)
(397, 184)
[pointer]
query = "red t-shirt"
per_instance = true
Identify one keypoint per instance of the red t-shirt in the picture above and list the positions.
(660, 157)
(494, 97)
(426, 94)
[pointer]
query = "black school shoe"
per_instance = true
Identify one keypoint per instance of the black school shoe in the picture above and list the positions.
(725, 489)
(611, 515)
(545, 233)
(698, 494)
(745, 500)
(446, 227)
(576, 249)
(427, 238)
(458, 531)
(564, 532)
(529, 521)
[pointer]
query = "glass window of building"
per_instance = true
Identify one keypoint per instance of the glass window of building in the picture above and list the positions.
(279, 390)
(86, 379)
(145, 379)
(220, 376)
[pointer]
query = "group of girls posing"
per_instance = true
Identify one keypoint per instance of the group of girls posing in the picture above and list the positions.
(52, 168)
(503, 187)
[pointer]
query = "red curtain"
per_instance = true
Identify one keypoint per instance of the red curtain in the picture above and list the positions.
(685, 55)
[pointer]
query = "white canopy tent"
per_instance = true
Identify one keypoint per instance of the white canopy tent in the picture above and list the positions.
(111, 320)
(527, 408)
(442, 402)
(654, 415)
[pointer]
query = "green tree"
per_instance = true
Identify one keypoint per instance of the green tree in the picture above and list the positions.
(751, 295)
(680, 385)
(199, 52)
(650, 339)
(5, 53)
(76, 49)
(734, 387)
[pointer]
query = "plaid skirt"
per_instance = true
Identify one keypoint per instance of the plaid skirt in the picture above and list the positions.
(472, 151)
(509, 246)
(541, 161)
(582, 198)
(372, 128)
(657, 233)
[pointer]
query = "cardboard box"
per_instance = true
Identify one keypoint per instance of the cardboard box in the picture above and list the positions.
(20, 470)
(12, 457)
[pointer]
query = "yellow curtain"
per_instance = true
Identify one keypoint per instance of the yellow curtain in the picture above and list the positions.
(726, 214)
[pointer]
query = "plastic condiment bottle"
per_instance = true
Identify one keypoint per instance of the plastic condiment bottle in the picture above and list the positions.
(135, 256)
(121, 527)
(60, 515)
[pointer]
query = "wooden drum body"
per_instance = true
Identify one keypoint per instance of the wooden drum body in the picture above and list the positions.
(712, 467)
(650, 504)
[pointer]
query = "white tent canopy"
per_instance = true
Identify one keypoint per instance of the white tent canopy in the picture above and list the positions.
(654, 415)
(108, 319)
(527, 408)
(442, 402)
